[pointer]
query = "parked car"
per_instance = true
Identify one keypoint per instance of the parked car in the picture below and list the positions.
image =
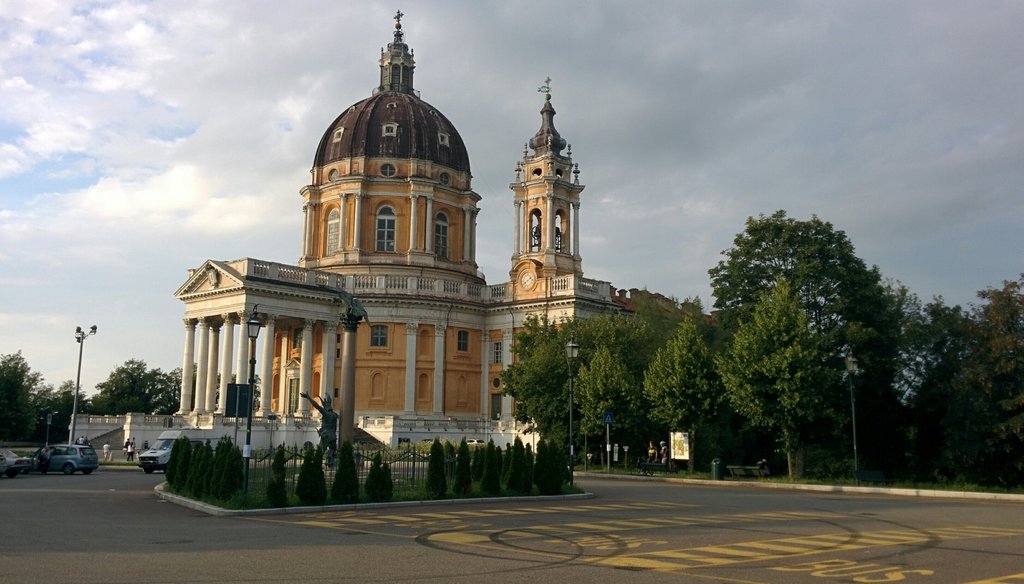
(68, 458)
(3, 463)
(15, 464)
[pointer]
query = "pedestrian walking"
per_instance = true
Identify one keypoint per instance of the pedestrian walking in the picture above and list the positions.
(106, 452)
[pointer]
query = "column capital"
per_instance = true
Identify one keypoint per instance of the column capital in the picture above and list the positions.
(229, 318)
(412, 327)
(190, 323)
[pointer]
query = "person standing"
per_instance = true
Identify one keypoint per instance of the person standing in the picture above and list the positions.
(106, 452)
(652, 452)
(664, 452)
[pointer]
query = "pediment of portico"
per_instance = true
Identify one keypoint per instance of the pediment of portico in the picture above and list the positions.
(212, 276)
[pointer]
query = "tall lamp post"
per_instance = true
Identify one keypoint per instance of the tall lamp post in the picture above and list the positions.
(253, 328)
(572, 350)
(80, 337)
(851, 370)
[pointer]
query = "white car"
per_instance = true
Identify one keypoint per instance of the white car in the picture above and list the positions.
(15, 464)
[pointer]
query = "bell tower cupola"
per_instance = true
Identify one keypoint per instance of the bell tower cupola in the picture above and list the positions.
(397, 63)
(546, 195)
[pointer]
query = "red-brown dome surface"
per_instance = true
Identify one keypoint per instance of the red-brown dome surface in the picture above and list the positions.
(393, 124)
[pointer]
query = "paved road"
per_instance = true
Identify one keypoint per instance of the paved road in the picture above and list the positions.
(109, 528)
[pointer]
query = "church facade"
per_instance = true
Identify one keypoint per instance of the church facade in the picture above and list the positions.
(390, 223)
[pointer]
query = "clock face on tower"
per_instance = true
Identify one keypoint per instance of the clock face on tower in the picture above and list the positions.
(527, 279)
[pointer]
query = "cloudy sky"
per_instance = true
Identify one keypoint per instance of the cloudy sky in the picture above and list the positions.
(138, 139)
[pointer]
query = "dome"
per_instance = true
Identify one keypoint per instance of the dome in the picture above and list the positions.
(393, 124)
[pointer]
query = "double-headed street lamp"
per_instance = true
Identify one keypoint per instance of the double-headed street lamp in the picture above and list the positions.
(572, 350)
(851, 370)
(80, 337)
(253, 328)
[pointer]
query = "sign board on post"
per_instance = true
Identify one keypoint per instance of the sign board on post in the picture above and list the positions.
(680, 446)
(237, 404)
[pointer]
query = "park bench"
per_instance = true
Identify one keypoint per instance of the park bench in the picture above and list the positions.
(875, 477)
(648, 468)
(745, 472)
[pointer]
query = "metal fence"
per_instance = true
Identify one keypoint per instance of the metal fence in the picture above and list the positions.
(408, 467)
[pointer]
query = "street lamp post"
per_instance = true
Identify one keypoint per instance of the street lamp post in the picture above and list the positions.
(851, 370)
(572, 350)
(253, 329)
(49, 419)
(80, 337)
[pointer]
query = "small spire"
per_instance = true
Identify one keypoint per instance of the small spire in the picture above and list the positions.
(398, 26)
(547, 138)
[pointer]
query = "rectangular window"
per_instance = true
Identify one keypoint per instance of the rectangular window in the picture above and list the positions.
(463, 341)
(293, 396)
(497, 352)
(379, 335)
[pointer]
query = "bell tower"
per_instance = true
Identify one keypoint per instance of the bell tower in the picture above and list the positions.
(547, 204)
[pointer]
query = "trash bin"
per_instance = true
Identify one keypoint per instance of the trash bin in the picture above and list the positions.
(716, 470)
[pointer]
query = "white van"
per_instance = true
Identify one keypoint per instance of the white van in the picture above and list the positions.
(157, 456)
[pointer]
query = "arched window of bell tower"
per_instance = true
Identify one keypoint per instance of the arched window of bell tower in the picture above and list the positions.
(561, 228)
(535, 231)
(386, 220)
(333, 229)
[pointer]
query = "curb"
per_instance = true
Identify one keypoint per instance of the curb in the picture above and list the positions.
(222, 512)
(904, 492)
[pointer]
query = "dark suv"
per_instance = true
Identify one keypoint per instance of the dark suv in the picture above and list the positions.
(69, 458)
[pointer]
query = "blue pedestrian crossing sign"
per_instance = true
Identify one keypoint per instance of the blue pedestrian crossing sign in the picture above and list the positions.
(609, 418)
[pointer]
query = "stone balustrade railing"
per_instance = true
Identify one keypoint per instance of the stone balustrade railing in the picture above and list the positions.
(399, 283)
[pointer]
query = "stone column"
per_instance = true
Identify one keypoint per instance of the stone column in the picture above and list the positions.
(267, 373)
(225, 360)
(439, 362)
(242, 363)
(188, 361)
(410, 367)
(201, 362)
(549, 224)
(467, 234)
(348, 377)
(305, 235)
(357, 219)
(428, 239)
(342, 232)
(576, 231)
(330, 334)
(517, 241)
(413, 244)
(306, 366)
(211, 372)
(282, 384)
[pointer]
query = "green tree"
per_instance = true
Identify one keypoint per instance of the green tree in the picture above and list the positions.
(606, 385)
(772, 371)
(490, 482)
(538, 380)
(518, 479)
(437, 483)
(177, 465)
(848, 309)
(477, 466)
(463, 484)
(345, 488)
(311, 486)
(277, 489)
(17, 383)
(132, 387)
(550, 471)
(380, 487)
(682, 384)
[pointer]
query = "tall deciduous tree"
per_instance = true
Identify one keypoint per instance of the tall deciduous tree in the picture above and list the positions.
(773, 371)
(847, 308)
(133, 387)
(538, 380)
(17, 382)
(682, 384)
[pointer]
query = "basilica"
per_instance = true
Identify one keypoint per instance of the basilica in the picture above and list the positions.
(390, 229)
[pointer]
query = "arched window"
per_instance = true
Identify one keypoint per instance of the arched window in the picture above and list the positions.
(535, 231)
(333, 228)
(441, 236)
(386, 229)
